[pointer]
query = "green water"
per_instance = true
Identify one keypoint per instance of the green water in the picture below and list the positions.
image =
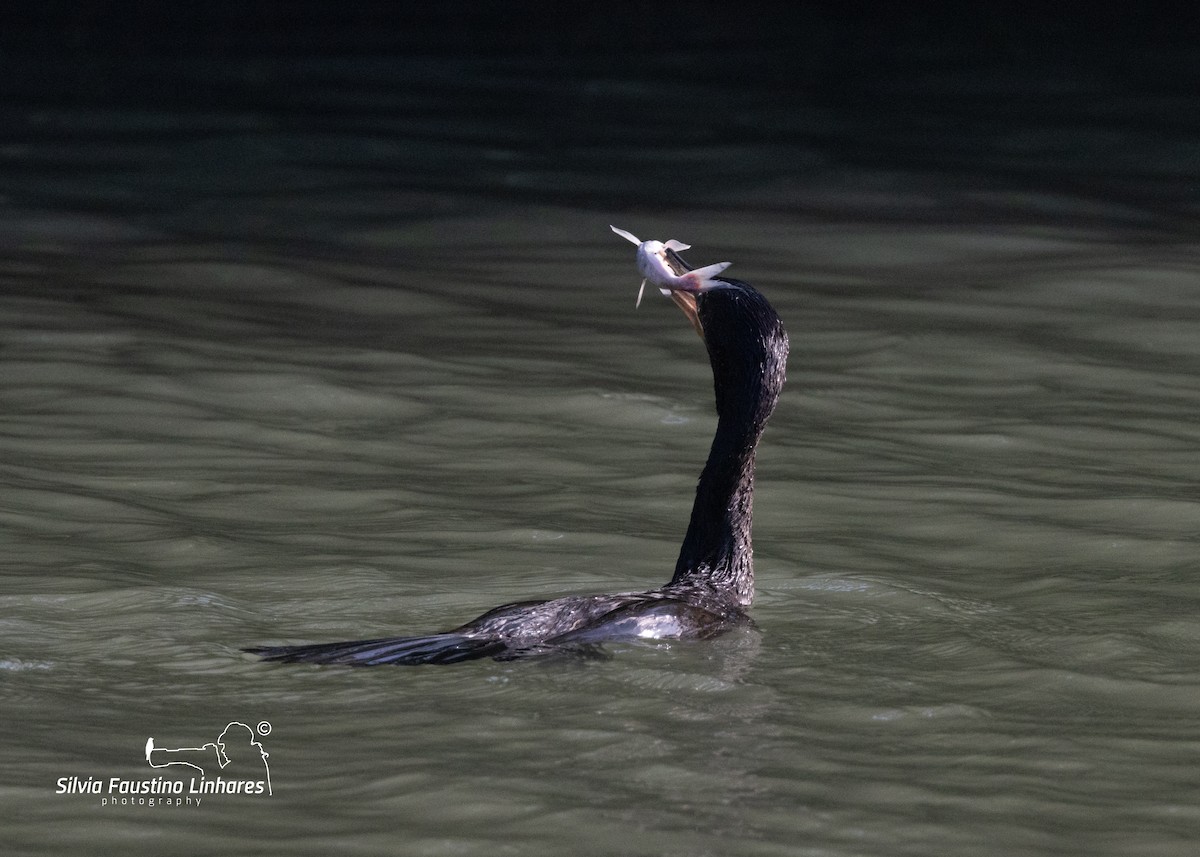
(269, 381)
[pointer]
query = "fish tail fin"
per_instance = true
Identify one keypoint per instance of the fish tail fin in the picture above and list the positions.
(704, 276)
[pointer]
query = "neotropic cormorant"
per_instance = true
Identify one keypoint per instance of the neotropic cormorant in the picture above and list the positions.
(714, 575)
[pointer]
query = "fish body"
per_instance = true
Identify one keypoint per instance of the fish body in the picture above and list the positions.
(653, 264)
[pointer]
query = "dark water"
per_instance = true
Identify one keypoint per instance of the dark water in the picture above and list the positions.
(344, 348)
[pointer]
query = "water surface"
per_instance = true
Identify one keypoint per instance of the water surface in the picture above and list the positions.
(366, 362)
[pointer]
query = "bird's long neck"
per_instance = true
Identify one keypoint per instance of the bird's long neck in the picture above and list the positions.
(747, 347)
(749, 361)
(717, 552)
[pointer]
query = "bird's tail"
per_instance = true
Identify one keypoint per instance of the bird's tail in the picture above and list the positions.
(432, 649)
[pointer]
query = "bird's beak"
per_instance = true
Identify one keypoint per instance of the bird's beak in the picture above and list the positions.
(686, 301)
